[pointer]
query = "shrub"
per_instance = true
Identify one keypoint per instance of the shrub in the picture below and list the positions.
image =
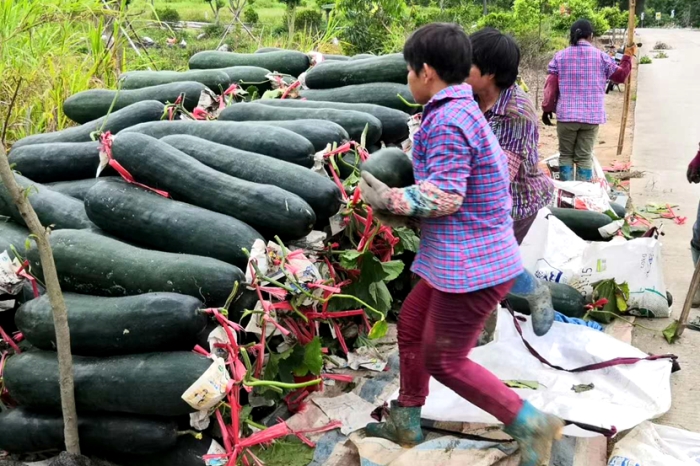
(645, 60)
(250, 16)
(580, 9)
(367, 22)
(661, 55)
(213, 30)
(168, 15)
(307, 20)
(500, 20)
(465, 15)
(615, 17)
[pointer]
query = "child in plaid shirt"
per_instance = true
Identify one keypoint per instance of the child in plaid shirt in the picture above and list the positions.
(468, 257)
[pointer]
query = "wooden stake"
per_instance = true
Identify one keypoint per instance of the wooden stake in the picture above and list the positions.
(688, 304)
(628, 85)
(58, 306)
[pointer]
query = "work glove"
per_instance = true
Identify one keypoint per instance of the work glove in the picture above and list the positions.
(631, 50)
(374, 192)
(547, 118)
(393, 221)
(693, 173)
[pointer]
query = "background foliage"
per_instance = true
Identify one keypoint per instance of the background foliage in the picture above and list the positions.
(60, 47)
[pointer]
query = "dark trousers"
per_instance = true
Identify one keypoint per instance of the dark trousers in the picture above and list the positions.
(436, 332)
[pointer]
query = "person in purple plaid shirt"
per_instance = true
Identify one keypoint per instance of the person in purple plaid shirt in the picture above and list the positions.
(575, 90)
(468, 258)
(514, 121)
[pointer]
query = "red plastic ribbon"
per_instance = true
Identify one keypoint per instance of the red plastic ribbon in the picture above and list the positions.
(22, 272)
(106, 142)
(289, 89)
(600, 304)
(9, 341)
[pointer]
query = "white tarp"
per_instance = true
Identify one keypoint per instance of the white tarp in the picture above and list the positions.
(623, 396)
(655, 445)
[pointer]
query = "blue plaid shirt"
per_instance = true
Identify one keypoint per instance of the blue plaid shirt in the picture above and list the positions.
(455, 150)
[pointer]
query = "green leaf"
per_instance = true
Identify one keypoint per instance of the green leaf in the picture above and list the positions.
(28, 191)
(626, 230)
(581, 388)
(245, 413)
(382, 297)
(393, 269)
(349, 259)
(379, 329)
(409, 241)
(621, 303)
(313, 356)
(370, 287)
(670, 332)
(373, 292)
(611, 213)
(522, 384)
(352, 180)
(272, 94)
(290, 361)
(272, 368)
(253, 93)
(617, 296)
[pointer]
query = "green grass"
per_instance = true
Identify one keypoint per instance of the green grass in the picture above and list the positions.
(54, 47)
(271, 12)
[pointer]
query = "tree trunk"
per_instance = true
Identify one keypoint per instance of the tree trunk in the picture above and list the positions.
(486, 7)
(58, 306)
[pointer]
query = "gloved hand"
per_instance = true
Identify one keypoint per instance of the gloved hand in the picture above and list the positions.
(390, 220)
(693, 173)
(374, 192)
(547, 118)
(631, 50)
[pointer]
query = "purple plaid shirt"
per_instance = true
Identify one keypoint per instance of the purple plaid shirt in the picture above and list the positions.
(455, 150)
(514, 121)
(583, 71)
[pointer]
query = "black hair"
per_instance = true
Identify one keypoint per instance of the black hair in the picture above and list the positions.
(582, 29)
(442, 46)
(496, 53)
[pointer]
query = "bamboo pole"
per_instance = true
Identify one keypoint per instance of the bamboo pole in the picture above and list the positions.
(628, 85)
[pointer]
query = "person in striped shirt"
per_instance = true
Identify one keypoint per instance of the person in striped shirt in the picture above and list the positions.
(468, 258)
(575, 90)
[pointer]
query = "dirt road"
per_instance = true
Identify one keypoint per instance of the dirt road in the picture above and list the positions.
(666, 138)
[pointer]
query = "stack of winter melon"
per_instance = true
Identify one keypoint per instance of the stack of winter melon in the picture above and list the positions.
(140, 261)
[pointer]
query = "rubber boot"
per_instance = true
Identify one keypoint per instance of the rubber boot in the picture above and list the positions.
(696, 255)
(535, 432)
(566, 173)
(539, 298)
(402, 426)
(584, 174)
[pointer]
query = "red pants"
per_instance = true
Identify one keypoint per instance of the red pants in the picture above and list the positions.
(437, 331)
